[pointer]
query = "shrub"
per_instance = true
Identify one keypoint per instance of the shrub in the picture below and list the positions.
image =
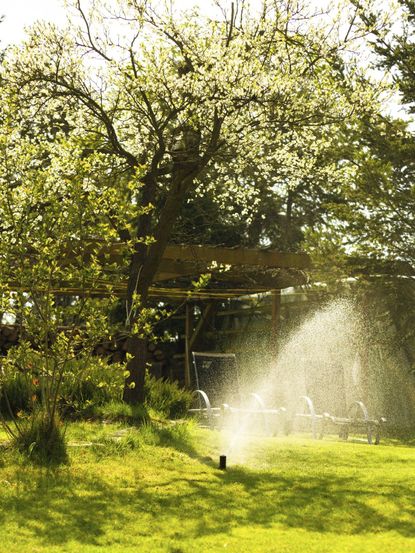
(93, 389)
(85, 384)
(16, 393)
(167, 397)
(95, 383)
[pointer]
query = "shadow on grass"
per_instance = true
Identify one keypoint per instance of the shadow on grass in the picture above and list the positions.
(55, 508)
(341, 505)
(59, 506)
(179, 438)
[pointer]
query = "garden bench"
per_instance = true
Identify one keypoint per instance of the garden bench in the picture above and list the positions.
(218, 394)
(357, 419)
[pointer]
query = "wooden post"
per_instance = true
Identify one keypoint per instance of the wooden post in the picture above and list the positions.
(188, 337)
(206, 318)
(276, 318)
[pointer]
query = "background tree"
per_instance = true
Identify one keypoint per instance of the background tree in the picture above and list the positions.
(373, 214)
(370, 232)
(377, 217)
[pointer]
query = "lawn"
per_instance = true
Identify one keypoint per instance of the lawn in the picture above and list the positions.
(159, 490)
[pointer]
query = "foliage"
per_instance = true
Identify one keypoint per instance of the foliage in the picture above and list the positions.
(393, 43)
(237, 109)
(120, 411)
(370, 227)
(167, 398)
(371, 218)
(84, 385)
(374, 216)
(50, 201)
(89, 385)
(18, 394)
(90, 389)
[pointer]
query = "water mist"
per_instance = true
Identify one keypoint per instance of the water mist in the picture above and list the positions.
(332, 357)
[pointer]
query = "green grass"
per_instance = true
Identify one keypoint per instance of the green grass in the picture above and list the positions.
(158, 489)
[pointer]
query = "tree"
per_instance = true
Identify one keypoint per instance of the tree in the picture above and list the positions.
(373, 214)
(182, 106)
(51, 196)
(393, 43)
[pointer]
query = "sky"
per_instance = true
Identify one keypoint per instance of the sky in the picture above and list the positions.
(21, 13)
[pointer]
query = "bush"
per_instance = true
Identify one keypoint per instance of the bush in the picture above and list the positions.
(167, 397)
(96, 383)
(16, 394)
(94, 389)
(42, 439)
(99, 395)
(84, 386)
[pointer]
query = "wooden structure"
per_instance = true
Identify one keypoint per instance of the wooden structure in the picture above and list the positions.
(233, 273)
(233, 270)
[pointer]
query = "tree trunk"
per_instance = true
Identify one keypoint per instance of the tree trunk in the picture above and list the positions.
(136, 365)
(146, 260)
(143, 268)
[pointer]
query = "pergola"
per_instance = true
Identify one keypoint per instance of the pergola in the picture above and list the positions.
(233, 272)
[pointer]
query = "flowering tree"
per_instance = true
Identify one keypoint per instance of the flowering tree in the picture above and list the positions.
(180, 105)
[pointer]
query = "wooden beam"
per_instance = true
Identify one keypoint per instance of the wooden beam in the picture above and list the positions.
(238, 256)
(172, 269)
(160, 276)
(207, 314)
(233, 332)
(275, 318)
(188, 349)
(208, 254)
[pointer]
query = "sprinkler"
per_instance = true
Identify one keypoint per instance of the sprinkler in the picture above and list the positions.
(222, 462)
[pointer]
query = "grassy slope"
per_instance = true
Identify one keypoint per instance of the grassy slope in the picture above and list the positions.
(296, 496)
